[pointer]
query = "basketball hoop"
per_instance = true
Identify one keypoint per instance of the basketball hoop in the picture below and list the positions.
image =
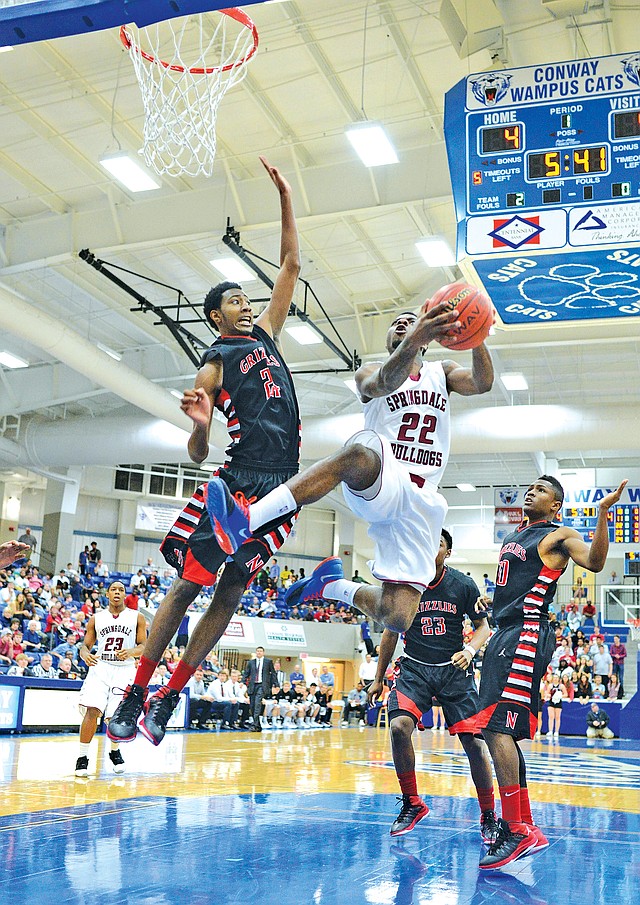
(184, 68)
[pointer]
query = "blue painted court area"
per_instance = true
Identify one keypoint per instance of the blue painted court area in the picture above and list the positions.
(327, 849)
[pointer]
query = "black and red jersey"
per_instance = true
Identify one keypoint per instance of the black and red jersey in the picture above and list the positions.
(436, 632)
(259, 402)
(524, 585)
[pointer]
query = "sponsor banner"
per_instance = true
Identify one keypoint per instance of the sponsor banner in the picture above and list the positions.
(9, 700)
(156, 516)
(592, 496)
(598, 284)
(604, 224)
(510, 516)
(284, 635)
(554, 82)
(513, 232)
(239, 630)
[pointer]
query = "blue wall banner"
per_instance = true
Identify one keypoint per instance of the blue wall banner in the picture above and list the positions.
(9, 706)
(549, 287)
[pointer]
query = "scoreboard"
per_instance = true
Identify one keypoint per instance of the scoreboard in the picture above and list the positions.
(624, 522)
(547, 157)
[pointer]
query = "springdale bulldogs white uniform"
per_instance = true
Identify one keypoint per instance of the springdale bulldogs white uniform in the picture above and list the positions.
(106, 681)
(410, 430)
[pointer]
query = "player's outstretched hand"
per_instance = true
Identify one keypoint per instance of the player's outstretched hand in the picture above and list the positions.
(10, 551)
(435, 323)
(611, 498)
(197, 405)
(276, 176)
(374, 691)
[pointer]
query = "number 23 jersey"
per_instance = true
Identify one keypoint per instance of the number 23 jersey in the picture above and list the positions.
(436, 632)
(115, 633)
(415, 419)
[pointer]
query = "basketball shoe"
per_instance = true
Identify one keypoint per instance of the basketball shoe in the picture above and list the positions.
(229, 515)
(508, 847)
(117, 760)
(541, 840)
(123, 725)
(159, 708)
(82, 766)
(489, 827)
(312, 588)
(409, 815)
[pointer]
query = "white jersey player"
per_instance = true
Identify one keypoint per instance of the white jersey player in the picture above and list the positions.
(119, 635)
(389, 471)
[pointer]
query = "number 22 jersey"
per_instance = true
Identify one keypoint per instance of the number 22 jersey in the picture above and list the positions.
(415, 419)
(436, 632)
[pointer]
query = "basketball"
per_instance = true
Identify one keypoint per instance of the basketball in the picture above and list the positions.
(475, 313)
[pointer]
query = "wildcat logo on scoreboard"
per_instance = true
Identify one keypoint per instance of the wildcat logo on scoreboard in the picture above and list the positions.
(490, 89)
(631, 68)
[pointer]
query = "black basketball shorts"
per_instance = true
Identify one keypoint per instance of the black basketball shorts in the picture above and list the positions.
(415, 686)
(514, 663)
(191, 546)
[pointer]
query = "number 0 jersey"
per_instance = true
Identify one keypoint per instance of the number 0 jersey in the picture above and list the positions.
(436, 632)
(415, 420)
(258, 400)
(524, 585)
(115, 633)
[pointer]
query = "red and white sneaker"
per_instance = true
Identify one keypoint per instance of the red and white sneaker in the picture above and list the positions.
(509, 846)
(541, 840)
(409, 815)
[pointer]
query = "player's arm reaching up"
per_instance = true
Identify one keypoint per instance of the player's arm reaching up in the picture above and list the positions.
(275, 314)
(474, 380)
(557, 548)
(377, 379)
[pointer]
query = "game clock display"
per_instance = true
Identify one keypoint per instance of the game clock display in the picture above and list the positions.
(623, 522)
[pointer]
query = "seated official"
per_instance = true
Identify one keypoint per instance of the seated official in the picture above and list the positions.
(598, 722)
(356, 703)
(200, 702)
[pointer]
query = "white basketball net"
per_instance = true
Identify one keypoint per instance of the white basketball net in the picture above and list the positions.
(184, 68)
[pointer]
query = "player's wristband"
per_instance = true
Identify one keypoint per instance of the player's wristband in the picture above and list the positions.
(470, 650)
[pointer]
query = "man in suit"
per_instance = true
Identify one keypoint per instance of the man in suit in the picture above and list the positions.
(260, 676)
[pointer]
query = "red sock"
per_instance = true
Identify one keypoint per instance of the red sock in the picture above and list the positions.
(146, 669)
(486, 799)
(409, 785)
(525, 806)
(510, 799)
(181, 675)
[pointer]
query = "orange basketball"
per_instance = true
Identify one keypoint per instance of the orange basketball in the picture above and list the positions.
(475, 313)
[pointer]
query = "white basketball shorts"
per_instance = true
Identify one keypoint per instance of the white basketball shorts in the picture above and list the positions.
(405, 520)
(104, 686)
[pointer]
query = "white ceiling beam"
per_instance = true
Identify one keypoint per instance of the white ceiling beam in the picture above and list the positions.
(273, 116)
(44, 194)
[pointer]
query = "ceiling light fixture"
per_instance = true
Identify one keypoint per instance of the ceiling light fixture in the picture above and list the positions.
(109, 352)
(436, 252)
(514, 382)
(129, 173)
(466, 488)
(304, 334)
(9, 360)
(372, 144)
(234, 270)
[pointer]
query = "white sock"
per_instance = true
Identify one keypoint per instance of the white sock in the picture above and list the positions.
(341, 589)
(115, 746)
(84, 749)
(274, 505)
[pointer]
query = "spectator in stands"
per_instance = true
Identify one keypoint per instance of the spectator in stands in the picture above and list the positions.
(45, 668)
(285, 577)
(569, 687)
(161, 675)
(83, 561)
(138, 580)
(32, 639)
(618, 653)
(602, 664)
(274, 571)
(574, 621)
(356, 703)
(222, 704)
(598, 723)
(101, 570)
(588, 613)
(358, 578)
(584, 689)
(598, 689)
(365, 633)
(21, 667)
(578, 593)
(211, 665)
(68, 648)
(614, 578)
(200, 702)
(367, 671)
(94, 555)
(585, 666)
(67, 670)
(297, 675)
(327, 678)
(613, 692)
(7, 651)
(28, 539)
